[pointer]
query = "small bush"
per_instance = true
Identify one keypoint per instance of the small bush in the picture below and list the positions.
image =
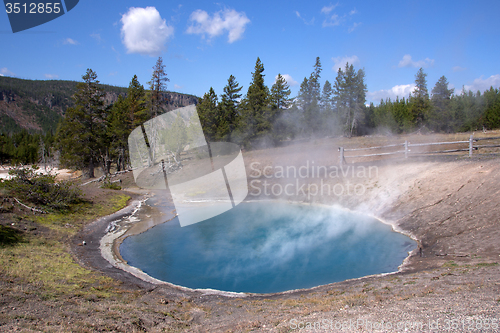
(9, 236)
(42, 190)
(450, 263)
(487, 264)
(109, 185)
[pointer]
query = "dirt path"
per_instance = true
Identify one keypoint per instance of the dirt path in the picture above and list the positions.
(89, 255)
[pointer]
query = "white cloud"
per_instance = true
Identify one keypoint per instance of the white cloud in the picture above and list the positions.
(288, 78)
(51, 76)
(408, 62)
(178, 87)
(458, 69)
(482, 84)
(144, 31)
(116, 52)
(5, 72)
(304, 20)
(97, 37)
(397, 91)
(354, 26)
(225, 20)
(333, 21)
(70, 41)
(328, 9)
(340, 62)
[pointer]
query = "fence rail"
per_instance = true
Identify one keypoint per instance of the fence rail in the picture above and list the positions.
(407, 145)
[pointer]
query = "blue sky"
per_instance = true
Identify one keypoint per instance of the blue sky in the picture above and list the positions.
(202, 43)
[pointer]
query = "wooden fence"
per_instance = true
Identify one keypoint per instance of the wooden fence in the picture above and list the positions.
(405, 148)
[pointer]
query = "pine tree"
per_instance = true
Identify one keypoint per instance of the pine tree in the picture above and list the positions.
(439, 118)
(230, 101)
(314, 81)
(280, 94)
(207, 109)
(120, 126)
(254, 122)
(349, 92)
(328, 116)
(369, 119)
(304, 97)
(81, 136)
(492, 108)
(420, 99)
(136, 100)
(6, 148)
(326, 98)
(309, 99)
(157, 86)
(280, 101)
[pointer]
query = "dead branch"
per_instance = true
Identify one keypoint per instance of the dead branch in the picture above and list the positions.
(31, 208)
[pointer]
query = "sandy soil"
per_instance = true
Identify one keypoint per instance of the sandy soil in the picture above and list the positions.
(448, 203)
(61, 174)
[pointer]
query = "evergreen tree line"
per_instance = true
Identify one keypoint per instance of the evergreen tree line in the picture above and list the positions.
(104, 125)
(267, 116)
(26, 148)
(442, 111)
(249, 120)
(93, 134)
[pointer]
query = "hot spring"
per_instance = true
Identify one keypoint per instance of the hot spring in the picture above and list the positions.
(267, 247)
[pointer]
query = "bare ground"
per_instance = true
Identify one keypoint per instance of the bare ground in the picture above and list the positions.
(448, 203)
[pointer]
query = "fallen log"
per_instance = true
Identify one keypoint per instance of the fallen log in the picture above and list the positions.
(30, 208)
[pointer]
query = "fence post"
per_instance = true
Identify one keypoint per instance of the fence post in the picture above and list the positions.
(341, 149)
(471, 141)
(406, 148)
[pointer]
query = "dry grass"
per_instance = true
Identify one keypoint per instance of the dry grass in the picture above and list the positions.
(44, 262)
(69, 223)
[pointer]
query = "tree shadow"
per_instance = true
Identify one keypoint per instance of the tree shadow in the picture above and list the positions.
(9, 236)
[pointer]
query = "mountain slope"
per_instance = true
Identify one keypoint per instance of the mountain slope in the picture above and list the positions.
(39, 105)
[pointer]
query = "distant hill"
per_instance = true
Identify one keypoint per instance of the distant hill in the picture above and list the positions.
(37, 105)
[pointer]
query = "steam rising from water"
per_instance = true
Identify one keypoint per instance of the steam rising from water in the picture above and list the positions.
(268, 247)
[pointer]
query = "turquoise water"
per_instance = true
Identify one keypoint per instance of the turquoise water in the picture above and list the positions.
(264, 247)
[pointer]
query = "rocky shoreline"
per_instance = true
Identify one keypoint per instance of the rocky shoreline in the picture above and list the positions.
(129, 224)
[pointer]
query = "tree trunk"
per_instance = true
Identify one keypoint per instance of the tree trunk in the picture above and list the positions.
(119, 163)
(91, 168)
(107, 162)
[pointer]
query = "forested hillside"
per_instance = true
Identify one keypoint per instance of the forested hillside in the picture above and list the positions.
(37, 106)
(31, 112)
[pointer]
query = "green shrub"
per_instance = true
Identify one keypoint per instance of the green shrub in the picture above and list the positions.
(9, 236)
(42, 190)
(109, 185)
